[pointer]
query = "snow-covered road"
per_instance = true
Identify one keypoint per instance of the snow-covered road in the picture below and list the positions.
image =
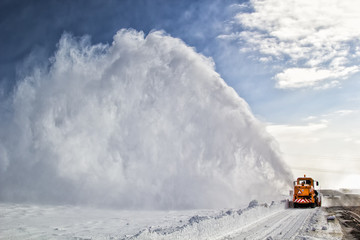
(289, 224)
(257, 221)
(284, 224)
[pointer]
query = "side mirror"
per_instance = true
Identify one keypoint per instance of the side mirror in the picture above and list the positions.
(294, 183)
(317, 183)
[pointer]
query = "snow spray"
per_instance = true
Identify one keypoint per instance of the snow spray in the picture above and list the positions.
(144, 122)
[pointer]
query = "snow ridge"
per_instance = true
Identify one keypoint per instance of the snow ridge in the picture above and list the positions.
(215, 226)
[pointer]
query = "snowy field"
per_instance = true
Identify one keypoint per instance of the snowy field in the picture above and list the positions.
(257, 221)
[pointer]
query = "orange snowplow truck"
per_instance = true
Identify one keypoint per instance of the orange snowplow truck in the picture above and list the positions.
(304, 194)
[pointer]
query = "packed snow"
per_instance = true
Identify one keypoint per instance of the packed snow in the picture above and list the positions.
(256, 221)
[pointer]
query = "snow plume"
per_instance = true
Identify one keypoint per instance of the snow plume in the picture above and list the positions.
(145, 122)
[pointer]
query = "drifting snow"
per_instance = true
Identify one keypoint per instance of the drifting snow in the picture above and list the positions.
(145, 122)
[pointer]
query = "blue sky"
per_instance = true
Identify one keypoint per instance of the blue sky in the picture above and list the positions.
(295, 63)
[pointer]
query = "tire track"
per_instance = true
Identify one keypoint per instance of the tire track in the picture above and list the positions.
(282, 225)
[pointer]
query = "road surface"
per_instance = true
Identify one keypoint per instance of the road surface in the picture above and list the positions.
(290, 224)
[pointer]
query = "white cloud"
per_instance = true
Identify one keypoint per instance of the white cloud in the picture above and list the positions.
(297, 133)
(316, 39)
(309, 77)
(344, 112)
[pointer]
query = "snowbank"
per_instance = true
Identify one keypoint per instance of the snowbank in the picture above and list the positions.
(68, 222)
(211, 226)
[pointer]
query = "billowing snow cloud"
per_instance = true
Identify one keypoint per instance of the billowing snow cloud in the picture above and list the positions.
(145, 122)
(317, 40)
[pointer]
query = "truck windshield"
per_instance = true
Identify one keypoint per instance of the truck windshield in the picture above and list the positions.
(305, 182)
